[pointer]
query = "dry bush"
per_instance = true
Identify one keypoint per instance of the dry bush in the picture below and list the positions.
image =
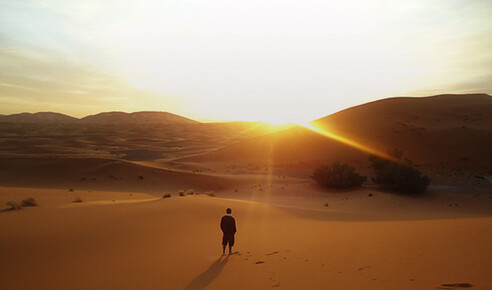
(399, 175)
(166, 195)
(338, 175)
(190, 192)
(13, 205)
(181, 193)
(29, 202)
(77, 199)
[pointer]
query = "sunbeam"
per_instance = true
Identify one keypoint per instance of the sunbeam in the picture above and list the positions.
(347, 141)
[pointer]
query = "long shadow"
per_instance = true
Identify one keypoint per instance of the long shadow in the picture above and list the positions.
(6, 210)
(204, 279)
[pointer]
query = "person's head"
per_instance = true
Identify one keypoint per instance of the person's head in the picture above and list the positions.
(228, 211)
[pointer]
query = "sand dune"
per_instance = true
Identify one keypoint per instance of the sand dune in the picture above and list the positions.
(447, 137)
(288, 146)
(449, 131)
(452, 131)
(135, 142)
(101, 118)
(175, 244)
(135, 118)
(40, 117)
(101, 174)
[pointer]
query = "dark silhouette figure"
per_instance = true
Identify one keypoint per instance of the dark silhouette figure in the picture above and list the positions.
(228, 227)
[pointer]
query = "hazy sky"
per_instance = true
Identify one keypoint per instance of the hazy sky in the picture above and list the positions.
(279, 61)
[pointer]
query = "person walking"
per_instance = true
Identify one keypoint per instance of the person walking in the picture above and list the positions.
(228, 227)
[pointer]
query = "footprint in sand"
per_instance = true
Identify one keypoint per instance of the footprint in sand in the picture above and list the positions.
(455, 285)
(272, 253)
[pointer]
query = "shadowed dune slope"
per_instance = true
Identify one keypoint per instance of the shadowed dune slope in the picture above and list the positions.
(100, 174)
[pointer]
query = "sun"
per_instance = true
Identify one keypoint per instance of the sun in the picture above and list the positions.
(282, 118)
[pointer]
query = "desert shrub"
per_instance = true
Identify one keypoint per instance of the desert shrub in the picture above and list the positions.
(181, 193)
(13, 205)
(190, 192)
(166, 195)
(29, 202)
(398, 175)
(338, 176)
(77, 199)
(210, 193)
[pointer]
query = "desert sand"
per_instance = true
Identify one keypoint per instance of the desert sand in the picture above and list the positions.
(292, 234)
(146, 242)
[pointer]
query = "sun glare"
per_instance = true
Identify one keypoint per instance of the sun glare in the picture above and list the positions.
(347, 141)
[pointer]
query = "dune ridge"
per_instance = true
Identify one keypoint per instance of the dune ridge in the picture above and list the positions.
(385, 125)
(136, 117)
(40, 117)
(439, 130)
(144, 117)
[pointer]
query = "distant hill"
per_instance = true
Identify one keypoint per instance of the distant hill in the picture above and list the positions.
(101, 118)
(41, 117)
(136, 118)
(445, 131)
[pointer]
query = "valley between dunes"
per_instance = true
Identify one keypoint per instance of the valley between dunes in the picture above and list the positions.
(292, 234)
